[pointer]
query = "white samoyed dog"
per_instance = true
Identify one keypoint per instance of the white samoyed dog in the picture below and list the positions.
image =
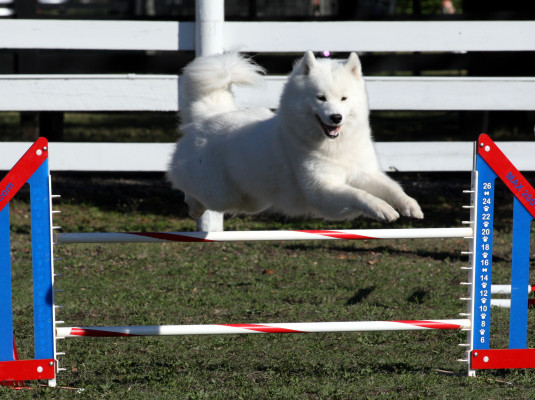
(313, 157)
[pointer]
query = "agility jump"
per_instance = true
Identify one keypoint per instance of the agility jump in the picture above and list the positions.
(489, 163)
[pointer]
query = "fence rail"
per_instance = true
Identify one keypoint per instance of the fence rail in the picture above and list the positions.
(135, 92)
(154, 157)
(96, 35)
(272, 36)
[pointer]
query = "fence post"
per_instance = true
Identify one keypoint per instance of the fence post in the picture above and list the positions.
(209, 19)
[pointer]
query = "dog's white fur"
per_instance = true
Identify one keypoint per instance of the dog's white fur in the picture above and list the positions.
(313, 157)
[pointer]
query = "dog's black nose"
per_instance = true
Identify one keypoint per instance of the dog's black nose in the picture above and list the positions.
(336, 118)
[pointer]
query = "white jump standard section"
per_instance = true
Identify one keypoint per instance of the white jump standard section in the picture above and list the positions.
(234, 236)
(230, 329)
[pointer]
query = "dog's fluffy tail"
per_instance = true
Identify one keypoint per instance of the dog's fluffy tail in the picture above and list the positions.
(206, 81)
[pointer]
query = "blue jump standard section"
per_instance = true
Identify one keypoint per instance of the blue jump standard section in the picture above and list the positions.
(518, 323)
(483, 254)
(6, 306)
(43, 294)
(522, 218)
(43, 300)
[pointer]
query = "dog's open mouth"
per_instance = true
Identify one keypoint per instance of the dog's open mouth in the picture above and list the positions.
(331, 131)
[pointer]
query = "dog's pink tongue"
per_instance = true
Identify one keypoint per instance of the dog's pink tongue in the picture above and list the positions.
(333, 130)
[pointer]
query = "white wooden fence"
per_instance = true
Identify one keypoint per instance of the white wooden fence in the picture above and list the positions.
(209, 34)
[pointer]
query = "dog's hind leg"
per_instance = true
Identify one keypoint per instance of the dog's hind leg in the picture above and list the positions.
(195, 207)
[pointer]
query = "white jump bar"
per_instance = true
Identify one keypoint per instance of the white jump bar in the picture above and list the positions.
(231, 236)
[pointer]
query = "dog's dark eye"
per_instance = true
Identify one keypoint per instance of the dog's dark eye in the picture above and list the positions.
(321, 98)
(343, 98)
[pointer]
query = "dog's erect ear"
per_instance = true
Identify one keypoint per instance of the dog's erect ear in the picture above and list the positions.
(308, 62)
(353, 64)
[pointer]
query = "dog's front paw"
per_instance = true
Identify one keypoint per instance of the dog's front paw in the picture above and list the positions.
(382, 211)
(410, 208)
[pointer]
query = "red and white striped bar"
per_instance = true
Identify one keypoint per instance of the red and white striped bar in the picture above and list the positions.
(506, 303)
(234, 236)
(506, 289)
(232, 329)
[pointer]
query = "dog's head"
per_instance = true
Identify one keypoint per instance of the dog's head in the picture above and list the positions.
(329, 94)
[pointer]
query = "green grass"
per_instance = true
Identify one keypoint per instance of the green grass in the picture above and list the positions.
(195, 283)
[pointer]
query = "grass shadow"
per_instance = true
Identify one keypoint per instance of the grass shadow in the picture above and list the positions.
(418, 296)
(361, 295)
